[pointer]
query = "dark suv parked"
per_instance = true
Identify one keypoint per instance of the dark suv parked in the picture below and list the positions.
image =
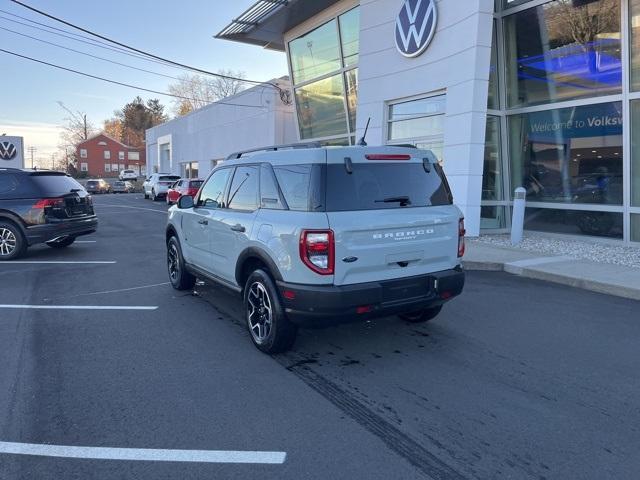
(39, 206)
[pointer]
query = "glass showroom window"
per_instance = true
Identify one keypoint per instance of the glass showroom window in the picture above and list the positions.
(315, 54)
(634, 25)
(570, 156)
(321, 111)
(493, 102)
(635, 228)
(325, 76)
(350, 36)
(635, 153)
(563, 50)
(492, 216)
(419, 122)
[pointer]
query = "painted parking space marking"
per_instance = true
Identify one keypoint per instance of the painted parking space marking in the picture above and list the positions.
(143, 454)
(119, 290)
(58, 262)
(130, 206)
(85, 241)
(76, 307)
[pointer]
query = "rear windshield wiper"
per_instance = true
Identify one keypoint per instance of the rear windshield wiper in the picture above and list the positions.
(403, 201)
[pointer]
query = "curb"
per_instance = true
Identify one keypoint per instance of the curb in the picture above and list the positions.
(575, 282)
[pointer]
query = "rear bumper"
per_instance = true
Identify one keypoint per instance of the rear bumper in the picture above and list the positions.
(70, 228)
(326, 305)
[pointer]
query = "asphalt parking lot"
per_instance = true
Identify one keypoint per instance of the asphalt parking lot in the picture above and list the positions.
(517, 379)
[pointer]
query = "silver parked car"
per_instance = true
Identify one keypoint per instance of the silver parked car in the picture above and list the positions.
(122, 187)
(311, 236)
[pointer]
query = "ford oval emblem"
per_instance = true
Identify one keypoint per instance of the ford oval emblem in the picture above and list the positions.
(350, 259)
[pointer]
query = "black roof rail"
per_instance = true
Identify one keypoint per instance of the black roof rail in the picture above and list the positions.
(274, 148)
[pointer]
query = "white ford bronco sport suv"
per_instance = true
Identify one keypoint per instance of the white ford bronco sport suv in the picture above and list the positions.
(314, 235)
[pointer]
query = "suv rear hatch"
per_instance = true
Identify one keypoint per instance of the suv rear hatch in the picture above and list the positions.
(392, 214)
(62, 196)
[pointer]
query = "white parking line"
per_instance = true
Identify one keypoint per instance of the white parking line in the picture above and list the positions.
(120, 290)
(58, 262)
(77, 307)
(144, 454)
(129, 206)
(85, 241)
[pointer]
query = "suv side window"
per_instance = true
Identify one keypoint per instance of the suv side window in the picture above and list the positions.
(243, 194)
(295, 180)
(269, 193)
(212, 193)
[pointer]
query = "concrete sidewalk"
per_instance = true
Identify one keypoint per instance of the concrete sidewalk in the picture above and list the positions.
(618, 280)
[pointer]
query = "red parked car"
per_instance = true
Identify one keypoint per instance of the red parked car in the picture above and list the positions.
(182, 187)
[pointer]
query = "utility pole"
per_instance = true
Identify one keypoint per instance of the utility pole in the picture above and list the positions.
(53, 161)
(84, 121)
(32, 150)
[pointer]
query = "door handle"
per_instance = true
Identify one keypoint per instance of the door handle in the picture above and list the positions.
(238, 228)
(203, 222)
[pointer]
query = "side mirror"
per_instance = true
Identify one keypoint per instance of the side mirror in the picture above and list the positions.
(185, 201)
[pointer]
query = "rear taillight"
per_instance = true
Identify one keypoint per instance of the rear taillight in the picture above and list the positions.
(49, 202)
(461, 234)
(317, 250)
(192, 192)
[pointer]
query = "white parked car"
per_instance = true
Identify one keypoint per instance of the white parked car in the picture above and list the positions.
(156, 186)
(128, 175)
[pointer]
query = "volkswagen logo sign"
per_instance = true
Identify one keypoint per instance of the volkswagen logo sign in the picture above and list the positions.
(415, 26)
(7, 151)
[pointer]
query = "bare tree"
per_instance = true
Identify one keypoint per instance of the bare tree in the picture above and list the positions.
(76, 128)
(200, 90)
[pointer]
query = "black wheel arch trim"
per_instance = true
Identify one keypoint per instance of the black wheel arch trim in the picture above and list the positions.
(255, 252)
(13, 218)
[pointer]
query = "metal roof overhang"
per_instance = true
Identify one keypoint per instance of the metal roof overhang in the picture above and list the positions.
(265, 22)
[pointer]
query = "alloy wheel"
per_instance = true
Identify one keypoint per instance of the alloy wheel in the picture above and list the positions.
(259, 312)
(8, 242)
(173, 263)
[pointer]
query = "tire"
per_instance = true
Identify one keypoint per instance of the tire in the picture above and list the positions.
(153, 195)
(146, 197)
(269, 328)
(62, 243)
(421, 316)
(178, 276)
(12, 242)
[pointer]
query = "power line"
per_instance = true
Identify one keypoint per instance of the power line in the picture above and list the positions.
(90, 42)
(195, 69)
(118, 83)
(88, 54)
(56, 28)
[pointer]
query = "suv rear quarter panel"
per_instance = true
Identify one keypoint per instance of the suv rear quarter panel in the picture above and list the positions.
(277, 233)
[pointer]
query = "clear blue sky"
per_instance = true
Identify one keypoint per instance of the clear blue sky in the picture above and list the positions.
(182, 31)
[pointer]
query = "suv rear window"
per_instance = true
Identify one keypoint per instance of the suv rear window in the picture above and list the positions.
(384, 186)
(52, 184)
(168, 178)
(195, 183)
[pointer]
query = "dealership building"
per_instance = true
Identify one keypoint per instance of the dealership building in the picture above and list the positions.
(542, 94)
